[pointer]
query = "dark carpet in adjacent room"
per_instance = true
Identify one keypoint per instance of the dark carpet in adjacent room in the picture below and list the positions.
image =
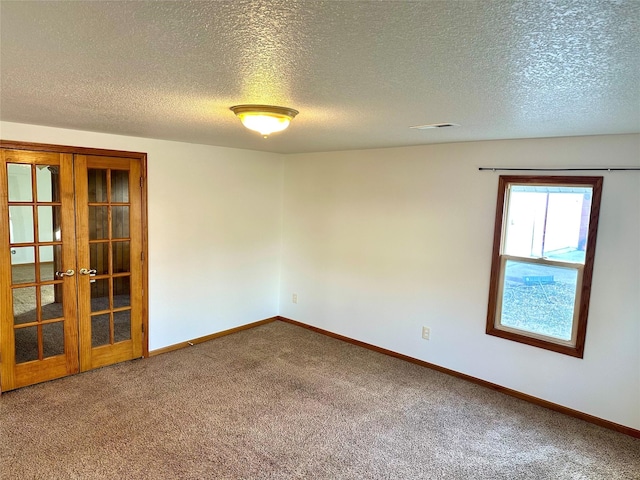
(278, 402)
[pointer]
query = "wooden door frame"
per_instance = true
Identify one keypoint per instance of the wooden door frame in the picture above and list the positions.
(44, 147)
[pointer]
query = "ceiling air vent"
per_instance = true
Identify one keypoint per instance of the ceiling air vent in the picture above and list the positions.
(435, 125)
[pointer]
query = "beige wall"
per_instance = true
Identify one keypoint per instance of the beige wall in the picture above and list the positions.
(214, 230)
(378, 243)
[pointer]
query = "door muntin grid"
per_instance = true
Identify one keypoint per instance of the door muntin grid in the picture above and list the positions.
(109, 255)
(36, 255)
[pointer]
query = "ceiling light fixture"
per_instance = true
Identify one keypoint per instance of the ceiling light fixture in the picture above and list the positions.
(265, 119)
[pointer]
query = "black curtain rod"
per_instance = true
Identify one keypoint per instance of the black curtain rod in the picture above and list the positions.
(618, 169)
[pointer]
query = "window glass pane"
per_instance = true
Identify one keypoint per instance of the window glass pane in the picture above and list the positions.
(548, 221)
(539, 298)
(19, 182)
(119, 186)
(97, 183)
(20, 224)
(47, 183)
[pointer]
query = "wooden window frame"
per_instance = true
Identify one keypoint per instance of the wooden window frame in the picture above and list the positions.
(575, 347)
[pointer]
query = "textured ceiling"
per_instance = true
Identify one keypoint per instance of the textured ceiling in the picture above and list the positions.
(359, 72)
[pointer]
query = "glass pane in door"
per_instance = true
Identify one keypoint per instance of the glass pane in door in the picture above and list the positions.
(53, 339)
(20, 185)
(119, 186)
(97, 183)
(100, 295)
(48, 224)
(99, 257)
(50, 303)
(121, 292)
(20, 224)
(23, 267)
(100, 330)
(24, 305)
(98, 223)
(121, 326)
(121, 257)
(26, 340)
(120, 222)
(50, 256)
(47, 183)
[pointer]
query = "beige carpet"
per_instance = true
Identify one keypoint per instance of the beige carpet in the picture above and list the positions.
(280, 402)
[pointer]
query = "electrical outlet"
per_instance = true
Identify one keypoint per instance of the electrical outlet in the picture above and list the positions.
(426, 333)
(294, 298)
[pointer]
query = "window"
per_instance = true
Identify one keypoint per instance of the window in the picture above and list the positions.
(543, 251)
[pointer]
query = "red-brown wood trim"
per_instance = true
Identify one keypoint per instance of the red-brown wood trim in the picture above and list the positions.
(590, 254)
(507, 391)
(495, 257)
(585, 292)
(45, 147)
(206, 338)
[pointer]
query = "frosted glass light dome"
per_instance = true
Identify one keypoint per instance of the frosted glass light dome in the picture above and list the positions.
(265, 119)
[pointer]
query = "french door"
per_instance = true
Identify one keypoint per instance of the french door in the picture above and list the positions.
(71, 230)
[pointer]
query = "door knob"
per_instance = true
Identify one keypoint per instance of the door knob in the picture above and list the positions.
(68, 273)
(84, 271)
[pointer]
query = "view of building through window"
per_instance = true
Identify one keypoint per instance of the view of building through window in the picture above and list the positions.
(550, 222)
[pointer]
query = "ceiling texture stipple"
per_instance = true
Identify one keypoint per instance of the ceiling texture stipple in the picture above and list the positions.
(360, 72)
